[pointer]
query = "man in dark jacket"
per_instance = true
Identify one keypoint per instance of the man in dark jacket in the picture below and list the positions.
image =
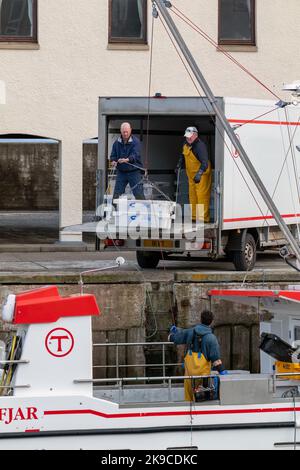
(202, 350)
(126, 157)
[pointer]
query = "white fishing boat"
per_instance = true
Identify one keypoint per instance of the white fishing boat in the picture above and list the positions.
(50, 400)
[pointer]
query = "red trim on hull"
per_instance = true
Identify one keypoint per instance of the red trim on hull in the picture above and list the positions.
(171, 413)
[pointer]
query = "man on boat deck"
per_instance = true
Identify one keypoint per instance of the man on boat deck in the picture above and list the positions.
(126, 158)
(198, 169)
(202, 351)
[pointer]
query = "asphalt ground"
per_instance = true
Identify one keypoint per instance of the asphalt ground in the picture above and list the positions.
(29, 244)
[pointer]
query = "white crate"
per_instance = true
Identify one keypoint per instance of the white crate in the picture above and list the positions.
(149, 214)
(160, 208)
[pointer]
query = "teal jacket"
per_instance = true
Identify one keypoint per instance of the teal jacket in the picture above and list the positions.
(208, 346)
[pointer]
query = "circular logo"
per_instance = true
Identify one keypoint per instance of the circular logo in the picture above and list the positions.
(59, 342)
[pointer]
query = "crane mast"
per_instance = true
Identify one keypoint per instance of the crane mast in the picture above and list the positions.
(162, 6)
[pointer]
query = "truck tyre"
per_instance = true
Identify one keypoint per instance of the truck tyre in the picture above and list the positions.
(229, 256)
(148, 259)
(245, 259)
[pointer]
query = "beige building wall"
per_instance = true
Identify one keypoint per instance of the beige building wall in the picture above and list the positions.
(52, 90)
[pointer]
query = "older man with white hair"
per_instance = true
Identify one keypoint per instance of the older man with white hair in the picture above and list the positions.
(126, 157)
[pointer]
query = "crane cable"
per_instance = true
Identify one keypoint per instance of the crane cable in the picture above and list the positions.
(222, 137)
(213, 121)
(196, 28)
(291, 140)
(149, 93)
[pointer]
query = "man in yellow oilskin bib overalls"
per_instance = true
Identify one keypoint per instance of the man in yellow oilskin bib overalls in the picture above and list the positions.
(198, 169)
(202, 351)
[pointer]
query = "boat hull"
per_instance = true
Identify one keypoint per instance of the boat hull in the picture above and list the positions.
(254, 438)
(90, 423)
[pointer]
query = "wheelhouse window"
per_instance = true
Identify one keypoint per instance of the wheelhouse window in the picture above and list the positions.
(237, 22)
(128, 21)
(18, 20)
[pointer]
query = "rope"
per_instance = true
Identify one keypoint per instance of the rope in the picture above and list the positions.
(238, 126)
(202, 33)
(291, 140)
(217, 128)
(293, 152)
(251, 192)
(220, 133)
(7, 375)
(149, 94)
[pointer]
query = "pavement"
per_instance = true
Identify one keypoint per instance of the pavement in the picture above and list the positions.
(24, 266)
(30, 252)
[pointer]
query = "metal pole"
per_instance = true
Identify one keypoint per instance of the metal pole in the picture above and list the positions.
(163, 8)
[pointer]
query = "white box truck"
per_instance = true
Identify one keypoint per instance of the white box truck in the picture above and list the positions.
(240, 222)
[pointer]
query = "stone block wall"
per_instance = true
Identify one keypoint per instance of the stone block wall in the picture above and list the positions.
(142, 312)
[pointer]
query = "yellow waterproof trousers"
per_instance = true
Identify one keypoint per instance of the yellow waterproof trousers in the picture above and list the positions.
(194, 364)
(199, 194)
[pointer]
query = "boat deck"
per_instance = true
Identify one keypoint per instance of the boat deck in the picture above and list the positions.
(235, 389)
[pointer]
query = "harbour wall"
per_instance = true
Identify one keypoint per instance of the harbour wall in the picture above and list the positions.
(136, 310)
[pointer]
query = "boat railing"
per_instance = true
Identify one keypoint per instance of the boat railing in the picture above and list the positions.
(166, 382)
(118, 366)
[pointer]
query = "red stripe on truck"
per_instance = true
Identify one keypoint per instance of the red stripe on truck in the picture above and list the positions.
(270, 123)
(267, 217)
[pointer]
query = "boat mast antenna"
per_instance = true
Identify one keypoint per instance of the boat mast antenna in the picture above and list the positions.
(292, 250)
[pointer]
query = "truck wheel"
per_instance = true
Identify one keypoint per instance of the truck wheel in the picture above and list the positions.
(229, 255)
(148, 259)
(245, 259)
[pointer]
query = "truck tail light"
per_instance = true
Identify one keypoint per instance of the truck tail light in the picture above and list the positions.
(206, 246)
(108, 242)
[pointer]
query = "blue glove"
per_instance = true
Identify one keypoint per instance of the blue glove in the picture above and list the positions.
(197, 177)
(173, 329)
(224, 372)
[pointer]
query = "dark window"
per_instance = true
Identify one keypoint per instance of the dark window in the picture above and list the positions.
(297, 333)
(128, 21)
(237, 22)
(18, 20)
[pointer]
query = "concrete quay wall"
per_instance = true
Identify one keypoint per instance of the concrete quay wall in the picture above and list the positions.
(137, 310)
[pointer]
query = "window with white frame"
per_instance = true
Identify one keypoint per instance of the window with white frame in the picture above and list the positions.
(18, 20)
(128, 21)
